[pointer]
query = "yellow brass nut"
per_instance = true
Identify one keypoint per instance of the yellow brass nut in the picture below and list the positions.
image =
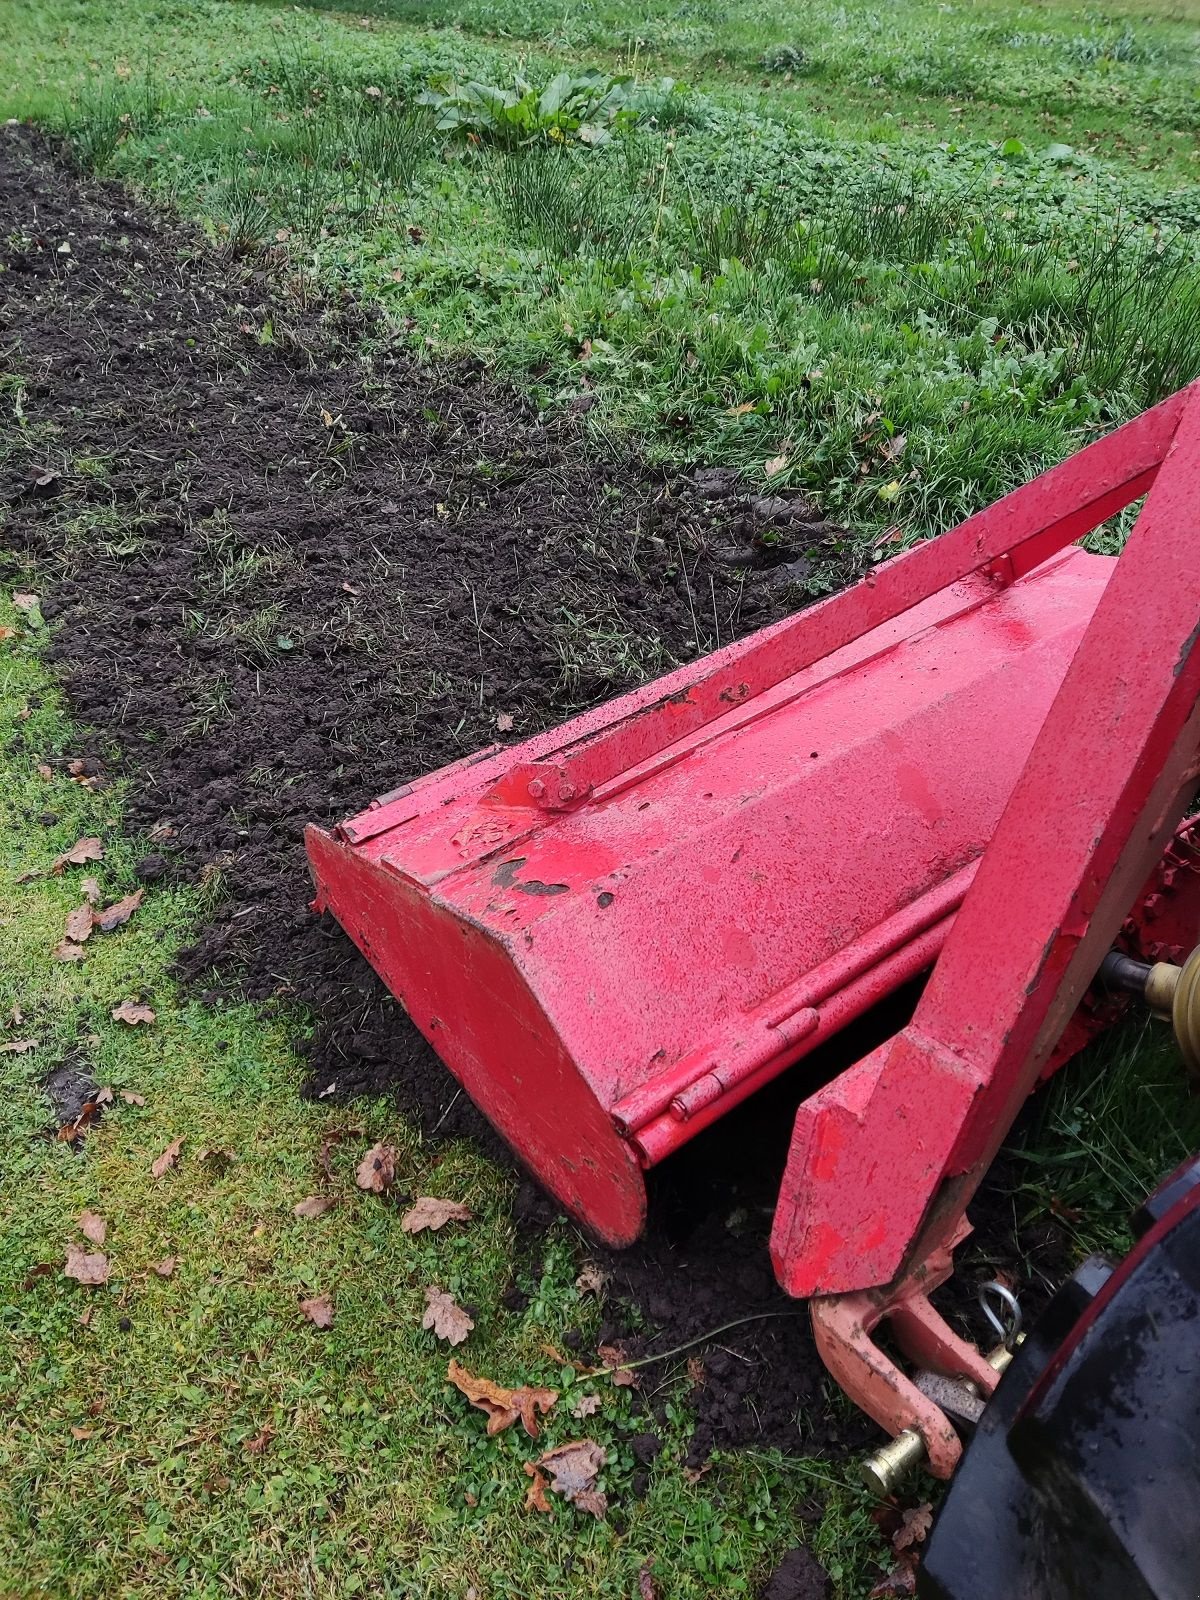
(1173, 994)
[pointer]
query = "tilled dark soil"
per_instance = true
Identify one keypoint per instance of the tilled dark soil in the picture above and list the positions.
(285, 577)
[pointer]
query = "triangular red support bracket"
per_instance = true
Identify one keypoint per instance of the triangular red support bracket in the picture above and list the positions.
(885, 1159)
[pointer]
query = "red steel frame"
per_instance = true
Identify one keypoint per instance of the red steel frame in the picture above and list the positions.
(885, 1159)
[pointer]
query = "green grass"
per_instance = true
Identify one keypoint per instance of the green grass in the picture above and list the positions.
(727, 277)
(917, 253)
(378, 1477)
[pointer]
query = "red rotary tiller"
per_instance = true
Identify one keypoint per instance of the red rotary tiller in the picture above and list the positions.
(975, 761)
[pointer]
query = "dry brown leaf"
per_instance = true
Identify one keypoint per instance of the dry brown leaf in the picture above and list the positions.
(116, 915)
(573, 1468)
(87, 1267)
(535, 1495)
(67, 950)
(260, 1441)
(434, 1214)
(377, 1170)
(132, 1099)
(901, 1580)
(915, 1523)
(503, 1406)
(774, 465)
(445, 1317)
(79, 924)
(89, 1113)
(742, 410)
(93, 1226)
(614, 1357)
(81, 1433)
(586, 1406)
(104, 1096)
(504, 722)
(86, 1316)
(318, 1310)
(133, 1012)
(44, 772)
(25, 602)
(169, 1157)
(647, 1588)
(591, 1280)
(18, 1047)
(81, 851)
(695, 1371)
(90, 889)
(165, 1267)
(8, 633)
(315, 1206)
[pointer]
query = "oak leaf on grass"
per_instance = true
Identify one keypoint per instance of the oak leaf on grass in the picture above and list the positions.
(377, 1170)
(134, 1012)
(445, 1317)
(318, 1310)
(93, 1227)
(163, 1163)
(431, 1213)
(503, 1406)
(573, 1469)
(90, 1267)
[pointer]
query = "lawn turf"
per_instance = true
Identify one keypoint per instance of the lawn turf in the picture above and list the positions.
(709, 335)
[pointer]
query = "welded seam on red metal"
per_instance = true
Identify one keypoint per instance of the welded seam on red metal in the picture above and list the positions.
(881, 1177)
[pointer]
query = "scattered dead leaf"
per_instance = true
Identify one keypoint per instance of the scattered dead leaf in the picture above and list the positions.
(573, 1468)
(260, 1441)
(67, 950)
(82, 851)
(334, 1136)
(86, 1316)
(18, 1047)
(591, 1280)
(87, 1267)
(742, 410)
(165, 1267)
(132, 1099)
(431, 1213)
(915, 1523)
(44, 772)
(163, 1163)
(104, 1096)
(318, 1310)
(215, 1162)
(93, 1226)
(586, 1406)
(503, 1406)
(116, 915)
(315, 1206)
(8, 633)
(89, 888)
(504, 722)
(88, 1114)
(901, 1580)
(42, 1270)
(647, 1588)
(26, 602)
(694, 1474)
(535, 1495)
(78, 927)
(445, 1317)
(614, 1358)
(775, 465)
(695, 1371)
(133, 1012)
(81, 1433)
(377, 1170)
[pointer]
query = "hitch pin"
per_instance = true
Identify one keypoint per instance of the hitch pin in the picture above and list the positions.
(886, 1467)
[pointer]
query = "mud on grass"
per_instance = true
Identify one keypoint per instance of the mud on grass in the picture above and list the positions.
(286, 576)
